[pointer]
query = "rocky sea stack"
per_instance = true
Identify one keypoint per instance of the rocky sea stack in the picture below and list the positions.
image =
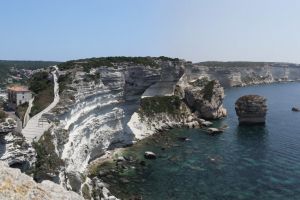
(205, 98)
(251, 109)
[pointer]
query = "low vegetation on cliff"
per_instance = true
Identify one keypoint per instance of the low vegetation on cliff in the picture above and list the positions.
(48, 163)
(208, 90)
(110, 61)
(3, 115)
(42, 85)
(63, 81)
(92, 77)
(21, 110)
(150, 106)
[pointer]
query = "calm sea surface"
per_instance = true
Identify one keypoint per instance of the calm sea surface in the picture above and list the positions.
(261, 162)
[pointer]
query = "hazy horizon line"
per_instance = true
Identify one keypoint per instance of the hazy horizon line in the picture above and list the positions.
(200, 61)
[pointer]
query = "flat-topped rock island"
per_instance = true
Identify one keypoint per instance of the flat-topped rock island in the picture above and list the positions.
(251, 109)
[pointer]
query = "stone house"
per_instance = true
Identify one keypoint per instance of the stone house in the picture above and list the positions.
(18, 95)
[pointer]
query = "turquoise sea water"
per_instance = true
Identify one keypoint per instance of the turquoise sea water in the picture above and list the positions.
(260, 162)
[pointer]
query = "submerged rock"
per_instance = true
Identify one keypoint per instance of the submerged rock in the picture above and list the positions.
(207, 123)
(251, 109)
(214, 130)
(150, 155)
(183, 139)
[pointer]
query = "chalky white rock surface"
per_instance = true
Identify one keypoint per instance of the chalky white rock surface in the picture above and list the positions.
(15, 185)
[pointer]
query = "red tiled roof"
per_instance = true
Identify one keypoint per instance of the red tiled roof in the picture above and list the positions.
(19, 88)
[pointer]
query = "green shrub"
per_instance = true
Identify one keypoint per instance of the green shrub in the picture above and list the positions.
(200, 82)
(89, 63)
(21, 110)
(43, 88)
(63, 81)
(150, 106)
(48, 161)
(86, 192)
(92, 77)
(39, 81)
(208, 90)
(3, 115)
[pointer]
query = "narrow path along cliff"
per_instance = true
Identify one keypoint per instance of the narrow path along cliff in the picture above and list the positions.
(37, 125)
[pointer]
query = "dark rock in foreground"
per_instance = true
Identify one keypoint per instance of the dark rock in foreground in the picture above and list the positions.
(150, 155)
(251, 109)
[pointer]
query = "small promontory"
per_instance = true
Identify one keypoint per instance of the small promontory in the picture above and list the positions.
(251, 109)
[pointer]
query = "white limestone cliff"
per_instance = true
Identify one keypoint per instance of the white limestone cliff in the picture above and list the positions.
(19, 186)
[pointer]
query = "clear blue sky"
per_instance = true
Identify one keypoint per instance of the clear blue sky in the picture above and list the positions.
(197, 30)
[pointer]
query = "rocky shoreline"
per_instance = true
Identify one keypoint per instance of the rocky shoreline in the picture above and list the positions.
(105, 108)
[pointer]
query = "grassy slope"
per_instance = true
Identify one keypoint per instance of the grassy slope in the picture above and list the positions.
(48, 161)
(43, 89)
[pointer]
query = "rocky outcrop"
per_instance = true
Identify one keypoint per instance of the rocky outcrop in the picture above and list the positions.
(99, 109)
(150, 155)
(205, 98)
(251, 109)
(95, 107)
(98, 102)
(100, 98)
(100, 106)
(16, 151)
(16, 185)
(158, 114)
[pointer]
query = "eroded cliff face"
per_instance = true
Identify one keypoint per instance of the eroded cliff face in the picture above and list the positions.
(95, 108)
(16, 185)
(205, 98)
(16, 151)
(99, 106)
(235, 74)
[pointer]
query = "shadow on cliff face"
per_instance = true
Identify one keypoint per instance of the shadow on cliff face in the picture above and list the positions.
(14, 159)
(126, 136)
(2, 145)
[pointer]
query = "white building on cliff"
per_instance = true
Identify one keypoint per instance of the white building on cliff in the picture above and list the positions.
(18, 95)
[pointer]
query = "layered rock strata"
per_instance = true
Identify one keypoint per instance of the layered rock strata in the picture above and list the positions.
(99, 109)
(251, 109)
(236, 74)
(16, 151)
